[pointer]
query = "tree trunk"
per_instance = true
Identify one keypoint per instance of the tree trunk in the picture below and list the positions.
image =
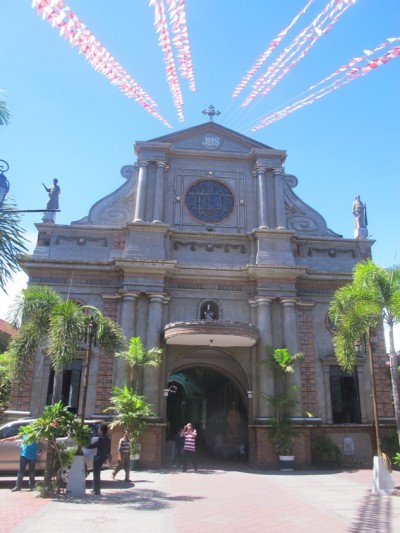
(394, 375)
(86, 382)
(57, 386)
(373, 384)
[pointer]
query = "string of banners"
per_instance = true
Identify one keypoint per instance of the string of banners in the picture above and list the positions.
(348, 72)
(299, 48)
(61, 16)
(180, 41)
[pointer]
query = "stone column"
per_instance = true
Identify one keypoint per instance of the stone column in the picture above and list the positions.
(262, 198)
(265, 378)
(291, 342)
(153, 387)
(279, 174)
(127, 322)
(159, 194)
(141, 192)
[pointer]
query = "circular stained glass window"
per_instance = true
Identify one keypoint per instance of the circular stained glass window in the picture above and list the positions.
(209, 201)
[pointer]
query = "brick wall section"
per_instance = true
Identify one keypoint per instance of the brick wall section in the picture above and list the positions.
(104, 382)
(308, 375)
(20, 397)
(152, 452)
(263, 453)
(382, 377)
(106, 364)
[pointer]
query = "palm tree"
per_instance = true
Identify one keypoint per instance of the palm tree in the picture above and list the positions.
(384, 285)
(357, 310)
(137, 358)
(61, 327)
(283, 432)
(12, 243)
(4, 112)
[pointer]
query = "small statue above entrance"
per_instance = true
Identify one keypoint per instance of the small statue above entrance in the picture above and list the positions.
(208, 313)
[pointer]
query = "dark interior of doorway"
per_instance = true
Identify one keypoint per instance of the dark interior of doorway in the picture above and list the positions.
(215, 406)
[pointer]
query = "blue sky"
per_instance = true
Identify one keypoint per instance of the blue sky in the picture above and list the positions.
(69, 122)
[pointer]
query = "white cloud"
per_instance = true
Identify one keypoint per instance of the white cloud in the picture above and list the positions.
(13, 288)
(17, 283)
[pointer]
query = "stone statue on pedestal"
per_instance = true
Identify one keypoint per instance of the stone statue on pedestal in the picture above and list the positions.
(360, 218)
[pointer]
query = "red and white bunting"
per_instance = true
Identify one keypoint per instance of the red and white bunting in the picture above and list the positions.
(61, 16)
(350, 73)
(164, 39)
(178, 25)
(272, 45)
(310, 34)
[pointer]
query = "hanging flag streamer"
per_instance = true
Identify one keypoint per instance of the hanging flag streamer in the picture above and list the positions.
(331, 14)
(351, 73)
(272, 45)
(178, 25)
(61, 16)
(161, 25)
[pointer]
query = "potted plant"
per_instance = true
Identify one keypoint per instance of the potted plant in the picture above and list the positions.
(132, 411)
(327, 453)
(282, 431)
(132, 408)
(54, 426)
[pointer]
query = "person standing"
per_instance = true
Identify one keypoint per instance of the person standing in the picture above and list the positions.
(124, 456)
(179, 442)
(28, 456)
(103, 445)
(189, 447)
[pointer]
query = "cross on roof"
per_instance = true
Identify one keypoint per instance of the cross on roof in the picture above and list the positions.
(210, 111)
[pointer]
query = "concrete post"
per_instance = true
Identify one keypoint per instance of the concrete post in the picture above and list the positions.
(265, 378)
(127, 323)
(278, 174)
(262, 198)
(291, 342)
(159, 194)
(141, 192)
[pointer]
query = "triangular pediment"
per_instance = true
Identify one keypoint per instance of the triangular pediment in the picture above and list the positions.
(210, 136)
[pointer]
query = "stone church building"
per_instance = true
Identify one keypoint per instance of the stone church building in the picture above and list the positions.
(206, 251)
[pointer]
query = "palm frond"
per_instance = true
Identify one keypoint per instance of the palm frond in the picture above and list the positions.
(67, 330)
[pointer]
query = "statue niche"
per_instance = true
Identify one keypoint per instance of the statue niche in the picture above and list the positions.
(209, 311)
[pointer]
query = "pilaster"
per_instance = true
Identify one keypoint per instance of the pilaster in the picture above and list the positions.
(158, 214)
(141, 192)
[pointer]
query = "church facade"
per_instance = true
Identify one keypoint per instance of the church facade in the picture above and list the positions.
(206, 251)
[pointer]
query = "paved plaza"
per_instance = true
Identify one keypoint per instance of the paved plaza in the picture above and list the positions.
(212, 499)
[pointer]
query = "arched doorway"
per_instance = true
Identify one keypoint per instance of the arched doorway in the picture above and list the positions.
(217, 407)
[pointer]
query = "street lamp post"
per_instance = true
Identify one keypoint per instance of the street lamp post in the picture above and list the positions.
(4, 189)
(90, 339)
(4, 183)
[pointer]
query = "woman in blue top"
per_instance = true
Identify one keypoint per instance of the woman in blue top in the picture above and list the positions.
(28, 455)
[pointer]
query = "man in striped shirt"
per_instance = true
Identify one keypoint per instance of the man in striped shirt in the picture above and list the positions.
(189, 448)
(124, 456)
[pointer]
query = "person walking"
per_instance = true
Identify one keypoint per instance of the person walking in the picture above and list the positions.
(103, 445)
(27, 457)
(124, 456)
(189, 447)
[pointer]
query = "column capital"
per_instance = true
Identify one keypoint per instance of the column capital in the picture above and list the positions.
(262, 300)
(162, 164)
(143, 163)
(129, 295)
(160, 297)
(278, 170)
(289, 302)
(260, 169)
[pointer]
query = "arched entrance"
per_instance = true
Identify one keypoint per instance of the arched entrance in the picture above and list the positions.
(217, 407)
